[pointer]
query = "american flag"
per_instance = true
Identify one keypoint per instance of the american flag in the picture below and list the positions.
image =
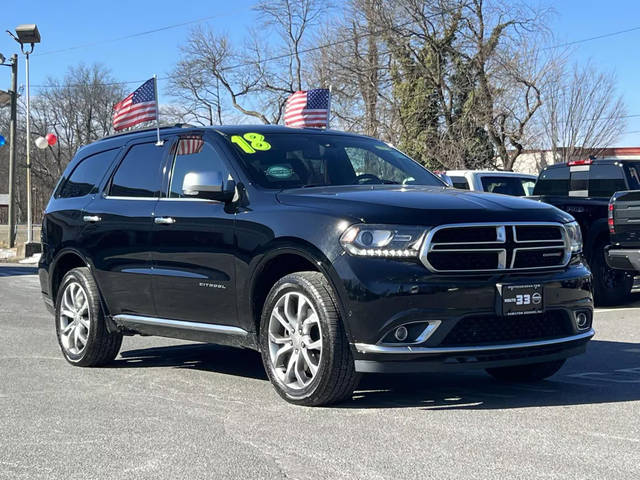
(139, 106)
(307, 109)
(190, 145)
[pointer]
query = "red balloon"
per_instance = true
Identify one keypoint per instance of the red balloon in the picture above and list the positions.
(51, 139)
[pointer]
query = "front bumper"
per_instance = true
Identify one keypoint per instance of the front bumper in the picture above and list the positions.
(624, 259)
(380, 295)
(385, 359)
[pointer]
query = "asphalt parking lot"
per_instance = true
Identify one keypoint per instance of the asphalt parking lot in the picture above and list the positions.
(171, 409)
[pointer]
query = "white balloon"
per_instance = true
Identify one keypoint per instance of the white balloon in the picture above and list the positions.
(41, 142)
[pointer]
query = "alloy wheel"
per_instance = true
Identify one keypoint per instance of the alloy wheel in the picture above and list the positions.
(74, 318)
(295, 340)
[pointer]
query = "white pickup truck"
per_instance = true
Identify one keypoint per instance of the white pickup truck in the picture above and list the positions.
(493, 181)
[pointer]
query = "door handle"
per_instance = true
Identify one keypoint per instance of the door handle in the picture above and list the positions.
(91, 218)
(164, 220)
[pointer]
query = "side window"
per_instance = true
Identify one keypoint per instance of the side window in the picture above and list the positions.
(504, 185)
(86, 175)
(193, 154)
(139, 172)
(528, 186)
(460, 182)
(553, 181)
(634, 176)
(605, 180)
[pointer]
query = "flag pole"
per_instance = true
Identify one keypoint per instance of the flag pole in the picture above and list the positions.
(329, 108)
(159, 143)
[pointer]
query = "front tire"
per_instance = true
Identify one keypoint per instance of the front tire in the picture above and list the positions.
(304, 347)
(526, 373)
(80, 324)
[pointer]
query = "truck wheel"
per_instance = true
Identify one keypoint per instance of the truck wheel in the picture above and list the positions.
(526, 373)
(610, 286)
(80, 323)
(303, 343)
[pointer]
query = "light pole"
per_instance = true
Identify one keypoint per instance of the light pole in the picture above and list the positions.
(27, 34)
(13, 94)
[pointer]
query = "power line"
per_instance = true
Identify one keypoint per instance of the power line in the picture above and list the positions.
(288, 55)
(132, 35)
(597, 37)
(253, 62)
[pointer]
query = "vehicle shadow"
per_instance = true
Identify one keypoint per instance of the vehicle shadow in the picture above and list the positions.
(200, 356)
(609, 372)
(14, 270)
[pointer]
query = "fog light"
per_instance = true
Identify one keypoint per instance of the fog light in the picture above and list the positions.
(401, 333)
(582, 320)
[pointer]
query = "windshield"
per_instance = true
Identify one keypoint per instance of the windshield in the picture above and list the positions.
(508, 185)
(293, 160)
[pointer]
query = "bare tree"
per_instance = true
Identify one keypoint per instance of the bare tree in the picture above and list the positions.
(582, 113)
(357, 68)
(78, 109)
(502, 43)
(210, 66)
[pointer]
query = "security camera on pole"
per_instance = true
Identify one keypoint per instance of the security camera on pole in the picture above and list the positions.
(28, 34)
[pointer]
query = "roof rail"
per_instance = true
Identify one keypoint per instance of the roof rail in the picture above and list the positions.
(149, 129)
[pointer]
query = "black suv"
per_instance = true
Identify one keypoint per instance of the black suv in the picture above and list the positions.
(583, 189)
(330, 253)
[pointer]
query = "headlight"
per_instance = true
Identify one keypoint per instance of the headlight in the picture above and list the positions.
(383, 240)
(574, 235)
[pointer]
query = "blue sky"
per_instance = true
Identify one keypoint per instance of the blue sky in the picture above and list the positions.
(72, 23)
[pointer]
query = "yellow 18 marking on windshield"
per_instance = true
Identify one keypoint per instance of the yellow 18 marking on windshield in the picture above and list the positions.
(251, 142)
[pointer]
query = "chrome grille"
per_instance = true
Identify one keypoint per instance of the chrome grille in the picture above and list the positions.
(486, 247)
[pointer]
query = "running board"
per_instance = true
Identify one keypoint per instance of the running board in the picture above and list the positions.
(196, 331)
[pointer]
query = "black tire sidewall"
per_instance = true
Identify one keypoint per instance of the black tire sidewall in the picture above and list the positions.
(294, 283)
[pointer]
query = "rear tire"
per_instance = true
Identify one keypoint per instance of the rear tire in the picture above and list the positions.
(610, 286)
(80, 323)
(304, 346)
(526, 373)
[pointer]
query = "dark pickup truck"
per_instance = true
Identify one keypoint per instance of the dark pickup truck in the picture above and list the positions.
(624, 227)
(583, 189)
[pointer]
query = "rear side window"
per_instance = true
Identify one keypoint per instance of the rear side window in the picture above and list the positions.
(553, 181)
(86, 175)
(605, 180)
(460, 182)
(139, 172)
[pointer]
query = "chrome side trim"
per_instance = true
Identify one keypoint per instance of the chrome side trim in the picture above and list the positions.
(182, 199)
(164, 272)
(114, 197)
(368, 348)
(178, 324)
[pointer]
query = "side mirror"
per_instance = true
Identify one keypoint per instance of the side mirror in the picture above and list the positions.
(208, 185)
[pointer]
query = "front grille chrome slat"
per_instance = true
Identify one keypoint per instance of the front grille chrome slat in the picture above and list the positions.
(491, 247)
